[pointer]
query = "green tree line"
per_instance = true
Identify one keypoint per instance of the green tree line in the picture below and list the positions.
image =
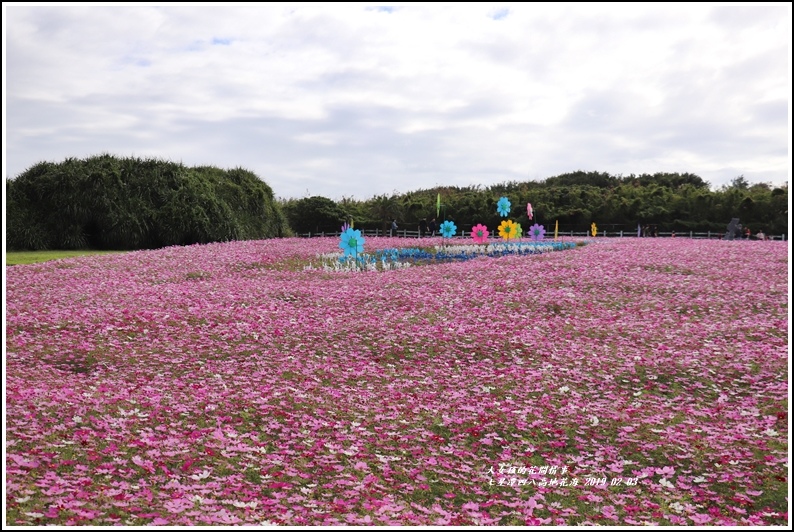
(107, 202)
(669, 201)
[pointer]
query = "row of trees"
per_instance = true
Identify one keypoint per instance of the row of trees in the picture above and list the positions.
(671, 201)
(106, 202)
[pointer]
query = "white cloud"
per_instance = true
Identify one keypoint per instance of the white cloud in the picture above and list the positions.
(356, 99)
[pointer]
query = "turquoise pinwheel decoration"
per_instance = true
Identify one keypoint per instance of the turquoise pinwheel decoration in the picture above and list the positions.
(503, 206)
(351, 242)
(448, 229)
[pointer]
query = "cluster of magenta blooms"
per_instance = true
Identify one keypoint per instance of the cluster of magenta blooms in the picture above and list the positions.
(222, 384)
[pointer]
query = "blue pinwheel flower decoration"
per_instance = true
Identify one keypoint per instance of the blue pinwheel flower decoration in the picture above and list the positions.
(448, 229)
(503, 206)
(351, 242)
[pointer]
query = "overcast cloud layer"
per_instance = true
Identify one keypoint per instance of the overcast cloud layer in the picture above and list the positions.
(354, 100)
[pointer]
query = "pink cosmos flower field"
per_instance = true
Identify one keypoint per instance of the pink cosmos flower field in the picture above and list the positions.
(623, 382)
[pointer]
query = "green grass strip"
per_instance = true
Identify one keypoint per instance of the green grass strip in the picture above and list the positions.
(30, 257)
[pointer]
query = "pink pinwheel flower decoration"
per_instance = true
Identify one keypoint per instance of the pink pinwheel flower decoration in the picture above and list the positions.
(529, 210)
(479, 233)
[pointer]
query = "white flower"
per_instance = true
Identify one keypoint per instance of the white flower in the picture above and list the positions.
(666, 483)
(240, 504)
(770, 432)
(77, 419)
(699, 480)
(23, 500)
(564, 389)
(200, 476)
(35, 515)
(594, 421)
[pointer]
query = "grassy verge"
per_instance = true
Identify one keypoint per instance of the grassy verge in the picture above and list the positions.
(30, 257)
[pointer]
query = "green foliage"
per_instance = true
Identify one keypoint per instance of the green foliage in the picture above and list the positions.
(106, 202)
(739, 183)
(579, 178)
(383, 208)
(315, 215)
(31, 257)
(671, 201)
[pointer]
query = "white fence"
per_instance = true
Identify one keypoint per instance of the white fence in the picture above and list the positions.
(404, 233)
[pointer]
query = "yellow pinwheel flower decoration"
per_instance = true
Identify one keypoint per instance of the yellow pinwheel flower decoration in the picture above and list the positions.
(508, 229)
(593, 229)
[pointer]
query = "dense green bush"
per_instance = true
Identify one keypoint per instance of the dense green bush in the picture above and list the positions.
(669, 201)
(106, 202)
(316, 214)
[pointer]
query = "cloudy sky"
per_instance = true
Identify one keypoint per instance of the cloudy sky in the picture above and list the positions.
(355, 100)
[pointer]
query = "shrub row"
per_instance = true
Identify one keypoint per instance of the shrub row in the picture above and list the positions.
(107, 202)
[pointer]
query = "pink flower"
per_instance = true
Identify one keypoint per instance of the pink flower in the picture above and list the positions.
(471, 506)
(479, 233)
(609, 512)
(665, 471)
(536, 521)
(700, 519)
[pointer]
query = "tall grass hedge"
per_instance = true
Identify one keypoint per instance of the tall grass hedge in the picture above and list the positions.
(108, 202)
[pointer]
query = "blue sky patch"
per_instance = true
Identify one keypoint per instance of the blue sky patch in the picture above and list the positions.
(500, 14)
